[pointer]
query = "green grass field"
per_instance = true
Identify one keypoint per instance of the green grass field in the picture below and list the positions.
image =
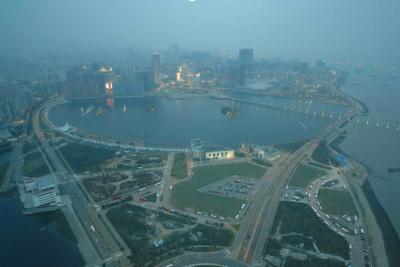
(337, 202)
(179, 168)
(35, 166)
(323, 155)
(85, 158)
(185, 194)
(304, 175)
(132, 223)
(299, 218)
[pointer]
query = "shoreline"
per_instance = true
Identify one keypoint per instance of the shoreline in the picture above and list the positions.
(389, 234)
(391, 239)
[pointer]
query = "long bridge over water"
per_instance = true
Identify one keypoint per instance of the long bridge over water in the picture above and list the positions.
(368, 119)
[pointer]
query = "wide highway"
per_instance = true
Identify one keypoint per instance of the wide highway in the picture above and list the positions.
(101, 238)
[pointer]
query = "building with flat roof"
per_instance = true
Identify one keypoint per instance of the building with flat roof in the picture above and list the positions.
(39, 194)
(268, 153)
(202, 150)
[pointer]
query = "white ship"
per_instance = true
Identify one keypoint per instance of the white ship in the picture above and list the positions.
(88, 110)
(124, 109)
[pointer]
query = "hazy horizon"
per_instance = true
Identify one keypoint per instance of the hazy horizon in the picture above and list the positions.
(335, 30)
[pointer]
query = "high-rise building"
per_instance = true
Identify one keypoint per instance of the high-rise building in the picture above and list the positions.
(155, 66)
(246, 57)
(245, 64)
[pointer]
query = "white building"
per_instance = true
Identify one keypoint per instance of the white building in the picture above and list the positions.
(220, 154)
(267, 153)
(30, 184)
(47, 197)
(204, 150)
(39, 192)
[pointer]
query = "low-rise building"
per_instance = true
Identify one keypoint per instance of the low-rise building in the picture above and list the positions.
(202, 150)
(39, 194)
(268, 153)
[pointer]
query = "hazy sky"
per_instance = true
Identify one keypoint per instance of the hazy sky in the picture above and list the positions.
(366, 30)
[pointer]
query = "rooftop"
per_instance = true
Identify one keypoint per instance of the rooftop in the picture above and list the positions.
(45, 182)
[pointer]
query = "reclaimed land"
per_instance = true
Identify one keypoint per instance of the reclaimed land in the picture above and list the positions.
(186, 194)
(35, 166)
(83, 158)
(140, 228)
(179, 167)
(300, 219)
(322, 154)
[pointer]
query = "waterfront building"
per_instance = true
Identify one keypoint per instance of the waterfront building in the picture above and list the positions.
(144, 79)
(46, 197)
(202, 150)
(39, 194)
(268, 153)
(185, 77)
(81, 82)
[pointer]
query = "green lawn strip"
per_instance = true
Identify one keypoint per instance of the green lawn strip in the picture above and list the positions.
(35, 166)
(336, 202)
(299, 218)
(327, 168)
(85, 158)
(185, 194)
(179, 167)
(323, 155)
(304, 175)
(262, 162)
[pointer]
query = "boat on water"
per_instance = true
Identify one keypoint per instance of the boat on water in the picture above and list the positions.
(392, 170)
(230, 112)
(100, 111)
(88, 110)
(304, 125)
(151, 109)
(124, 109)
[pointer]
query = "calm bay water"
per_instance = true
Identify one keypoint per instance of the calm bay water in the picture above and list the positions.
(32, 240)
(175, 122)
(378, 148)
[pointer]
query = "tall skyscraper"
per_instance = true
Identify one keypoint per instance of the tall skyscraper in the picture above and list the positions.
(155, 66)
(245, 64)
(246, 57)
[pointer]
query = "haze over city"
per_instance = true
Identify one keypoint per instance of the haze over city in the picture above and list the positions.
(305, 29)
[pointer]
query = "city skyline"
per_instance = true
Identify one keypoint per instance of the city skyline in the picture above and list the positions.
(339, 30)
